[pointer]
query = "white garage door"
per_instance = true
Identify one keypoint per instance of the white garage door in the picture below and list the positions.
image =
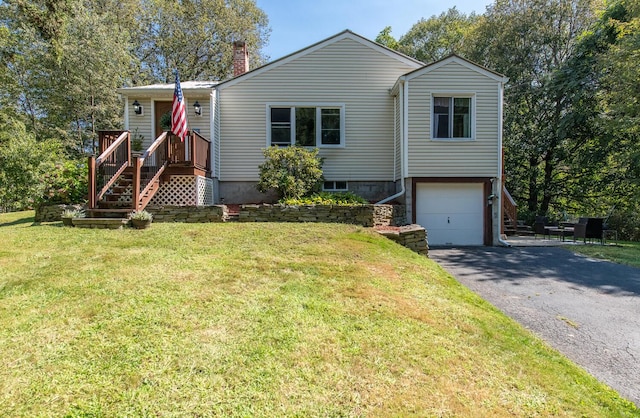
(452, 213)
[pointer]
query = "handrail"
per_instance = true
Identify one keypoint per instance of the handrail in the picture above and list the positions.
(154, 146)
(506, 193)
(106, 168)
(147, 170)
(111, 149)
(202, 138)
(510, 206)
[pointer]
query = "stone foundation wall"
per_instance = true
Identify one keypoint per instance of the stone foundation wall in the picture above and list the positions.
(413, 237)
(365, 215)
(52, 213)
(190, 214)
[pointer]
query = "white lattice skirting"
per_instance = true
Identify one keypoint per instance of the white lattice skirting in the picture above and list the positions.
(185, 191)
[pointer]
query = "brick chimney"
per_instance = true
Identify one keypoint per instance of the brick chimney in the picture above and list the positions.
(240, 58)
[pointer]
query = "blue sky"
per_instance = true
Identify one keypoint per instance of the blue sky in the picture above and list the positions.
(296, 24)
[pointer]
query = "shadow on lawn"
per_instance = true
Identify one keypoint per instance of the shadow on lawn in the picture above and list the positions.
(516, 265)
(27, 220)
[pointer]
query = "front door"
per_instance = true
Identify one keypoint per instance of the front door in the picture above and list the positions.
(160, 109)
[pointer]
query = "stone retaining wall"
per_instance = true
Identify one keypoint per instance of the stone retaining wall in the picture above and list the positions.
(189, 214)
(52, 213)
(413, 237)
(410, 236)
(389, 215)
(365, 215)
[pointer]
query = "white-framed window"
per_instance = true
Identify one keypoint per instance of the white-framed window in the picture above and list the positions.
(335, 186)
(306, 125)
(453, 116)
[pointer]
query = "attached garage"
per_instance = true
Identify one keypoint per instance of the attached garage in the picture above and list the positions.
(452, 213)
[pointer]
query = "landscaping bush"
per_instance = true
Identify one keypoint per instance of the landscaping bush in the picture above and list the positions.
(66, 183)
(627, 224)
(293, 172)
(327, 198)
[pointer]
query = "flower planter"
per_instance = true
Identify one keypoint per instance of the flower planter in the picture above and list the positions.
(140, 223)
(67, 221)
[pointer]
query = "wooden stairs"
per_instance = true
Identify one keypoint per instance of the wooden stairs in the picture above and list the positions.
(516, 229)
(120, 197)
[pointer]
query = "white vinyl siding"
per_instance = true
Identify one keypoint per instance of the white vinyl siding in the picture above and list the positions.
(434, 157)
(215, 138)
(203, 122)
(346, 72)
(144, 123)
(398, 138)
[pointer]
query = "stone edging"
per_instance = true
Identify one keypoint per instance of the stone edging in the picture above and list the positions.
(52, 213)
(390, 216)
(365, 215)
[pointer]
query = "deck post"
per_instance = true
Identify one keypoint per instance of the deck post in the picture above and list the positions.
(129, 147)
(135, 187)
(192, 148)
(92, 182)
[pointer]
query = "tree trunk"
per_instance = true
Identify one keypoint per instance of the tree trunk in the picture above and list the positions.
(532, 201)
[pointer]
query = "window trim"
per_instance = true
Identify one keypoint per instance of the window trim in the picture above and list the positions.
(452, 94)
(318, 107)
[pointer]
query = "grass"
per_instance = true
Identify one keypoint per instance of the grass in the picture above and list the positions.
(261, 320)
(624, 252)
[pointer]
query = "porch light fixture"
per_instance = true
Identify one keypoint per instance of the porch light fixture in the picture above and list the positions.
(198, 108)
(137, 108)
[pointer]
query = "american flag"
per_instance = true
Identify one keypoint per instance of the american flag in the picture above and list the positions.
(178, 113)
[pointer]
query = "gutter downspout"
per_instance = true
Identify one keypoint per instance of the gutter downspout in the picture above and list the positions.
(499, 177)
(402, 137)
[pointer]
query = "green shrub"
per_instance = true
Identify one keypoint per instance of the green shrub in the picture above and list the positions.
(627, 224)
(66, 183)
(293, 172)
(327, 198)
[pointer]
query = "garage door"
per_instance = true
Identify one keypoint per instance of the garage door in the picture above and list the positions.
(452, 213)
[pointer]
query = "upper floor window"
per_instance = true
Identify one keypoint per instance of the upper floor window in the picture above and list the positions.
(307, 126)
(452, 117)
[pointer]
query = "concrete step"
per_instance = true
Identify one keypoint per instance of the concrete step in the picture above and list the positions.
(100, 223)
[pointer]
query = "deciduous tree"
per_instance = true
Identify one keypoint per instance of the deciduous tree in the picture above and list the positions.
(438, 36)
(196, 37)
(530, 41)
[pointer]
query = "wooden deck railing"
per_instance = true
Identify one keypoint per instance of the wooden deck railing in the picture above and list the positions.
(201, 147)
(509, 207)
(148, 168)
(192, 156)
(115, 147)
(195, 151)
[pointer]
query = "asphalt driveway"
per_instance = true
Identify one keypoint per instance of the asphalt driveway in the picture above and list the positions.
(587, 309)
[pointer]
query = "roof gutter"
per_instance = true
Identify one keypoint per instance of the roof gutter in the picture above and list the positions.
(402, 91)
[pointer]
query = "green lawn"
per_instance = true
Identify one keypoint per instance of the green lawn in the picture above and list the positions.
(623, 252)
(261, 320)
